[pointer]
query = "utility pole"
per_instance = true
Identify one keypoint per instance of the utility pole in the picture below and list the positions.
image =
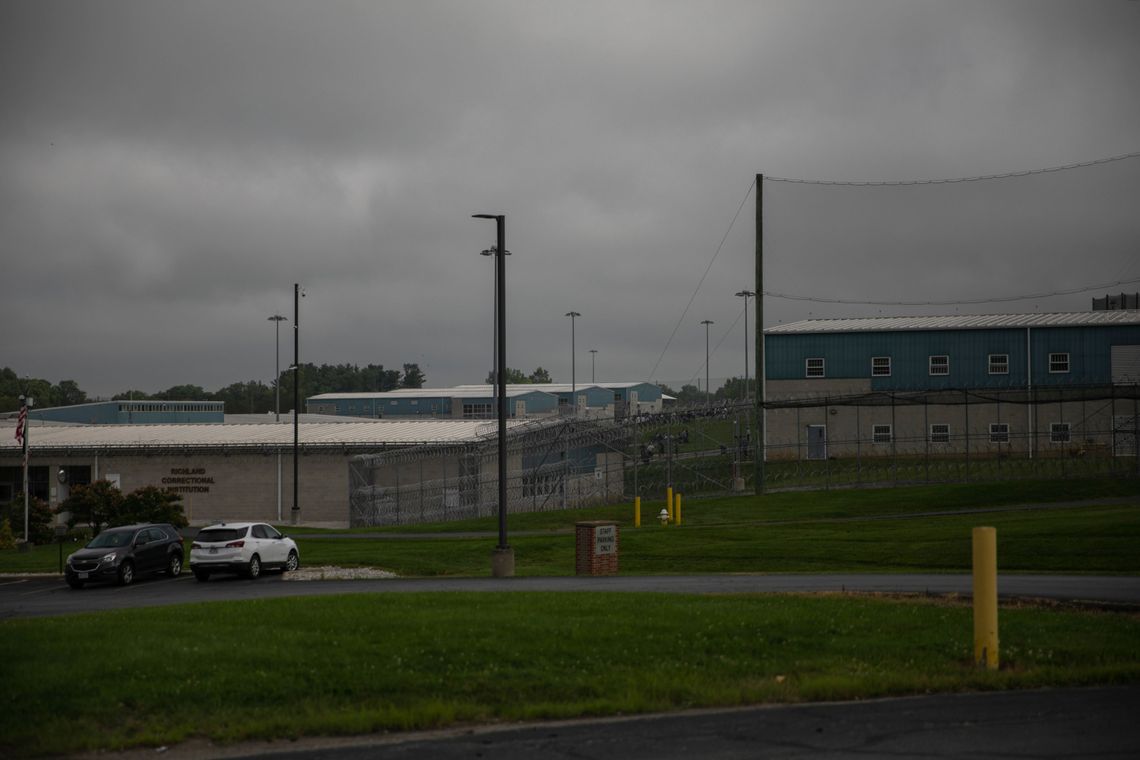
(760, 384)
(295, 516)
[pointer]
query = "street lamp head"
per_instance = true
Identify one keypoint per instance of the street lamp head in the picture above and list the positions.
(746, 294)
(707, 322)
(486, 216)
(573, 314)
(278, 318)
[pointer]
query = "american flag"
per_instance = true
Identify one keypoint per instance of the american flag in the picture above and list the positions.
(20, 422)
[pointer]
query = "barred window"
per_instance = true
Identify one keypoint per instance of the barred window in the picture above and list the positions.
(940, 365)
(1058, 363)
(814, 367)
(881, 434)
(999, 432)
(1059, 432)
(880, 366)
(940, 433)
(999, 364)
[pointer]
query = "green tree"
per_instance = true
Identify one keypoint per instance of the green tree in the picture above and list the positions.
(152, 504)
(413, 376)
(39, 519)
(182, 393)
(96, 504)
(514, 377)
(254, 397)
(70, 393)
(131, 395)
(540, 376)
(690, 394)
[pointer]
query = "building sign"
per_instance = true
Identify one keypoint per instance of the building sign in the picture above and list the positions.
(188, 480)
(605, 539)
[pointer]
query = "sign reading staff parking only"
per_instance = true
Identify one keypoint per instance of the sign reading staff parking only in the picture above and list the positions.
(605, 539)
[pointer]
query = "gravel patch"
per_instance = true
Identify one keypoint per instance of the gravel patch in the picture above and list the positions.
(332, 573)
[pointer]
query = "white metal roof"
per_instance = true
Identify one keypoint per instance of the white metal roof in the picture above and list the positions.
(310, 434)
(462, 391)
(959, 322)
(543, 387)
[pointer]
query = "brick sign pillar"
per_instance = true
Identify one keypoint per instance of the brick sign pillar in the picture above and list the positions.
(596, 548)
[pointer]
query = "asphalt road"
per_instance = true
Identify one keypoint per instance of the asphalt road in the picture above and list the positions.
(1052, 723)
(44, 596)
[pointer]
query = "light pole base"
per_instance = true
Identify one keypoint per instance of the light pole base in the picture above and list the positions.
(295, 517)
(503, 563)
(738, 485)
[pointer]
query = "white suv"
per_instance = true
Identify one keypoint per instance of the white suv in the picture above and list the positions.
(244, 548)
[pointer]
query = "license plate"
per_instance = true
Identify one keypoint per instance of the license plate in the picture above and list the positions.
(82, 576)
(213, 550)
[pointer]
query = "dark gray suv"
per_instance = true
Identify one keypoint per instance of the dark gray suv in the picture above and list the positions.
(120, 554)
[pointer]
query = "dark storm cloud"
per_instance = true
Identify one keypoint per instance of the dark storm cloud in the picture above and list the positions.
(169, 169)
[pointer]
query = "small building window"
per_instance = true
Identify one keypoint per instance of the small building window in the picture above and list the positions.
(999, 364)
(880, 366)
(1058, 363)
(1059, 432)
(814, 367)
(880, 434)
(999, 432)
(940, 365)
(940, 433)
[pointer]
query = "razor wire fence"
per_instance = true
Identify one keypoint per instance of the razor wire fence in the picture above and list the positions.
(817, 442)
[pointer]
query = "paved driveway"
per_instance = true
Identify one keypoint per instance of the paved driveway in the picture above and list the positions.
(40, 596)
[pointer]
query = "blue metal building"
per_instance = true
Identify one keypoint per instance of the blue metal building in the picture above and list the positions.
(935, 353)
(134, 412)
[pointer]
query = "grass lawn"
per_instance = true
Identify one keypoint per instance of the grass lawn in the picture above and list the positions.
(783, 532)
(365, 663)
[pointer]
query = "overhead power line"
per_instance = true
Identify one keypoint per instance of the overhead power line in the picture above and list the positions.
(964, 302)
(952, 180)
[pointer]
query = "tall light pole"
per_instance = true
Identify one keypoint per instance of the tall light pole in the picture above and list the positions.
(708, 390)
(295, 515)
(746, 294)
(495, 326)
(573, 377)
(503, 559)
(593, 355)
(277, 319)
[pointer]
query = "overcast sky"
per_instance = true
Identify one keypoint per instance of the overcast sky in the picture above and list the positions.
(168, 170)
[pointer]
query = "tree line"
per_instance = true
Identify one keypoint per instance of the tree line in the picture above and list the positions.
(251, 397)
(94, 506)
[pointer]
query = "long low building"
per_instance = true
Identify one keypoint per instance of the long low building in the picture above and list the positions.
(524, 400)
(222, 471)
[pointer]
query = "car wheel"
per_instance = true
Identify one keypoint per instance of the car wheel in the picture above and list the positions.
(202, 575)
(293, 562)
(75, 583)
(174, 568)
(253, 569)
(126, 574)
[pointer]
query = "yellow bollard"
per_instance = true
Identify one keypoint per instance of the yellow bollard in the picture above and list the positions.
(669, 502)
(637, 511)
(677, 507)
(985, 598)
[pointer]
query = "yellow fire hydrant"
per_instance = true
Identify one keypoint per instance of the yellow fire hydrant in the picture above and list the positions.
(663, 516)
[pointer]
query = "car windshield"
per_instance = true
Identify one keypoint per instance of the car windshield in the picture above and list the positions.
(109, 539)
(210, 535)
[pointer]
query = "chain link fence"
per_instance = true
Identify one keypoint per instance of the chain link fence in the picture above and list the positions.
(871, 439)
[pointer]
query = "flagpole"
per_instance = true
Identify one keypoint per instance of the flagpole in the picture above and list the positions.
(22, 432)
